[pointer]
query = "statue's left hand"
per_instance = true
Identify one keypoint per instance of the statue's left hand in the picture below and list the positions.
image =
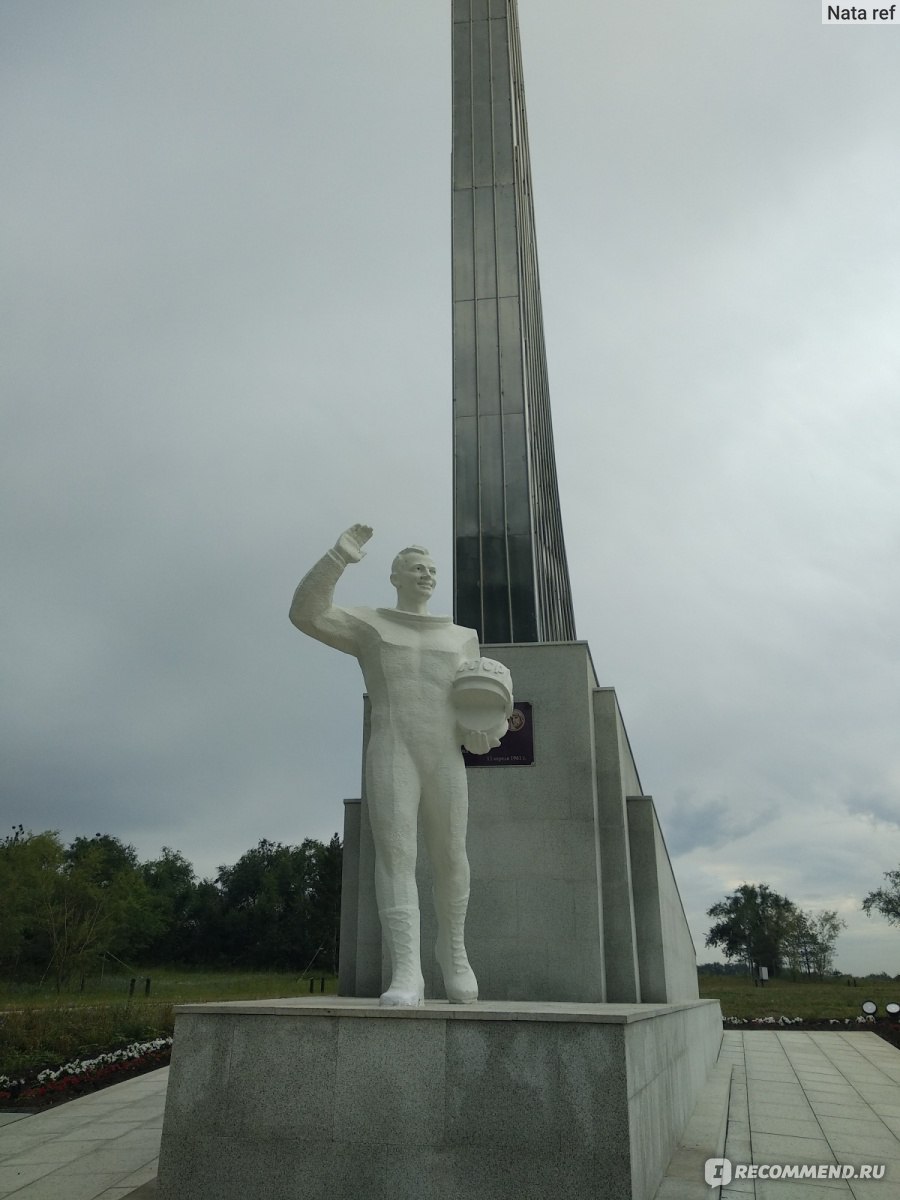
(481, 743)
(476, 743)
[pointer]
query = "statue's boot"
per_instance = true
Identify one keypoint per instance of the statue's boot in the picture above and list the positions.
(400, 926)
(460, 983)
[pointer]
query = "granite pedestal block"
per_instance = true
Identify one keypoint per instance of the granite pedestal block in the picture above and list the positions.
(338, 1098)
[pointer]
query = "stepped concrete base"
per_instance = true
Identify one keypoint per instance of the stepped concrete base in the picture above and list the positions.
(338, 1098)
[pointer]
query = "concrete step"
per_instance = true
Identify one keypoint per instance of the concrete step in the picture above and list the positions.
(703, 1138)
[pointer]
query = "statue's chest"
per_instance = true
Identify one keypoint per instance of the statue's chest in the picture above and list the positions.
(440, 640)
(427, 655)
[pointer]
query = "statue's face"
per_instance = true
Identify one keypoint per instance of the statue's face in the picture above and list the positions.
(416, 578)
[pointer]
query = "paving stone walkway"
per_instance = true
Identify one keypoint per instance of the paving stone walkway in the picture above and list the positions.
(102, 1146)
(804, 1098)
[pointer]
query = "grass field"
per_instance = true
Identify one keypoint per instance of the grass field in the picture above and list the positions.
(810, 999)
(39, 1028)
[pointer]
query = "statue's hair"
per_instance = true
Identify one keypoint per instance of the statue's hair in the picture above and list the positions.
(398, 559)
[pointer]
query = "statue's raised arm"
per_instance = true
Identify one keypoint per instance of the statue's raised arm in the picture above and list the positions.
(313, 610)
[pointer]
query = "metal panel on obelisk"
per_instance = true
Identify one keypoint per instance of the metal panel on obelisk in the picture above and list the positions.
(511, 579)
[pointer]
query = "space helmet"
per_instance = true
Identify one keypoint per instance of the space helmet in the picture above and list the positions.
(482, 694)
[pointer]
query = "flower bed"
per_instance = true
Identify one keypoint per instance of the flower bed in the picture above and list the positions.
(816, 1024)
(886, 1029)
(76, 1078)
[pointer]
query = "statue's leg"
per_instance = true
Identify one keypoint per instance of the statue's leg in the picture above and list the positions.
(445, 809)
(392, 793)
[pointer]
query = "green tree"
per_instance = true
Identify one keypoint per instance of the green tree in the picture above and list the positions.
(97, 904)
(809, 941)
(797, 946)
(63, 908)
(27, 861)
(172, 887)
(752, 925)
(826, 926)
(885, 900)
(204, 932)
(74, 918)
(324, 913)
(265, 898)
(281, 904)
(103, 857)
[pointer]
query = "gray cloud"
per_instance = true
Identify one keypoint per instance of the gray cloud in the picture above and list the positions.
(226, 308)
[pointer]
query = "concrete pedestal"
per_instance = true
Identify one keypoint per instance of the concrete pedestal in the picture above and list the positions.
(341, 1099)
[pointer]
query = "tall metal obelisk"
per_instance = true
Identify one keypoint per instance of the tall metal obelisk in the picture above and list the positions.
(511, 579)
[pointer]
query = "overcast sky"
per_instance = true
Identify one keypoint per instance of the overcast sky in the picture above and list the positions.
(226, 337)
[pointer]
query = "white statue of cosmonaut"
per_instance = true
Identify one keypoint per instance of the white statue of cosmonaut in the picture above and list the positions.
(430, 692)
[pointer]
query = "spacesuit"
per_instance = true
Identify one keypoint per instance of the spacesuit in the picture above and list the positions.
(409, 661)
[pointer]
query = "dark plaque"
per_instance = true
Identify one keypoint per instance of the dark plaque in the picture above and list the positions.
(517, 747)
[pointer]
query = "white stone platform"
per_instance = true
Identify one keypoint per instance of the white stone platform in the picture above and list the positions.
(499, 1099)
